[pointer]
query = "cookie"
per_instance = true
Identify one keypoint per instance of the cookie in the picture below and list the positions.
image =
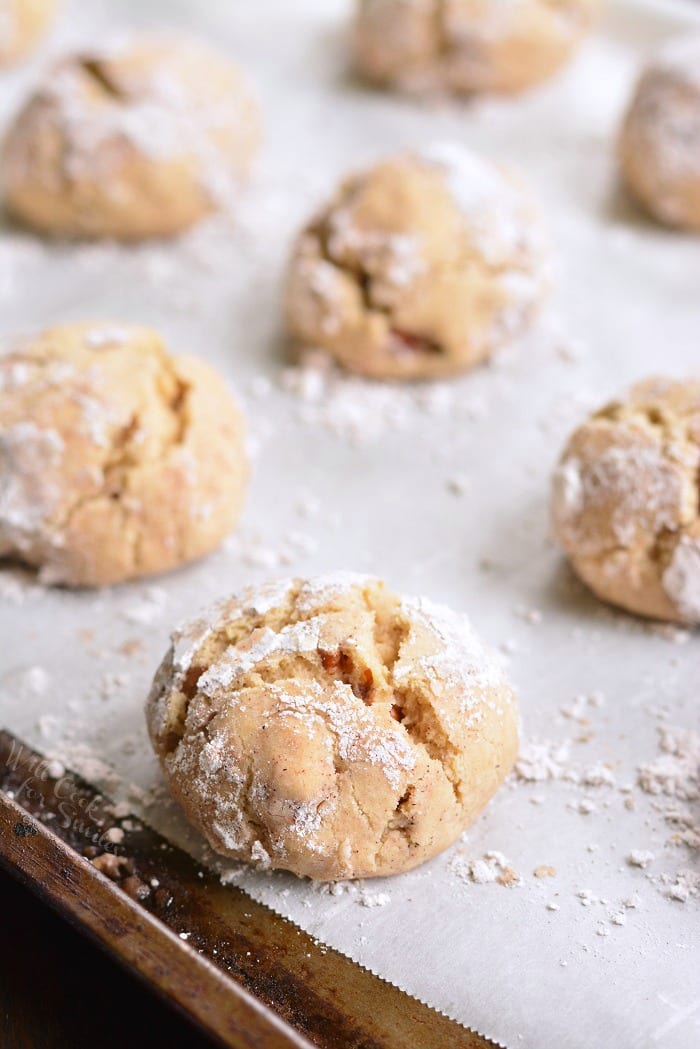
(468, 46)
(420, 267)
(330, 727)
(134, 141)
(22, 24)
(117, 459)
(660, 140)
(625, 501)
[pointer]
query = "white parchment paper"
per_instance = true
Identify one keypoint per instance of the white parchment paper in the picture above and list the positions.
(440, 489)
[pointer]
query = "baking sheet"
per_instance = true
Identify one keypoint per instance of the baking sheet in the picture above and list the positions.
(441, 489)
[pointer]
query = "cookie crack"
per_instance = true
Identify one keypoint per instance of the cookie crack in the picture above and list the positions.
(415, 342)
(390, 630)
(416, 716)
(363, 280)
(349, 780)
(177, 727)
(187, 687)
(444, 44)
(398, 821)
(359, 273)
(122, 459)
(261, 831)
(339, 663)
(99, 74)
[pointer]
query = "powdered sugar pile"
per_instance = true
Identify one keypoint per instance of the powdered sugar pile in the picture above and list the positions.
(357, 410)
(677, 772)
(493, 867)
(539, 762)
(149, 609)
(361, 412)
(674, 774)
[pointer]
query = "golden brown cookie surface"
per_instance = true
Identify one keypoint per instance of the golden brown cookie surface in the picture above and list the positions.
(116, 459)
(468, 46)
(331, 728)
(419, 267)
(660, 139)
(138, 140)
(625, 502)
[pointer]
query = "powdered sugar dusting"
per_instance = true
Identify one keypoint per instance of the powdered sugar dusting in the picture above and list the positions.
(664, 119)
(101, 101)
(618, 495)
(672, 778)
(358, 737)
(188, 637)
(460, 660)
(317, 672)
(643, 483)
(676, 773)
(99, 338)
(325, 589)
(522, 409)
(393, 259)
(493, 867)
(568, 487)
(29, 496)
(355, 267)
(438, 44)
(541, 761)
(497, 212)
(492, 23)
(238, 660)
(262, 599)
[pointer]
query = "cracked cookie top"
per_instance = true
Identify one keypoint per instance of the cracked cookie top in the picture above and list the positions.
(116, 458)
(626, 501)
(330, 727)
(418, 267)
(468, 46)
(137, 139)
(660, 138)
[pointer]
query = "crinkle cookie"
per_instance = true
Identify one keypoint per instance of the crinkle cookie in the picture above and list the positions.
(660, 139)
(468, 46)
(116, 458)
(330, 727)
(625, 501)
(22, 23)
(138, 140)
(419, 267)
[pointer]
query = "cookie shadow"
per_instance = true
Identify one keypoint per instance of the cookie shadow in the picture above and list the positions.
(525, 565)
(621, 208)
